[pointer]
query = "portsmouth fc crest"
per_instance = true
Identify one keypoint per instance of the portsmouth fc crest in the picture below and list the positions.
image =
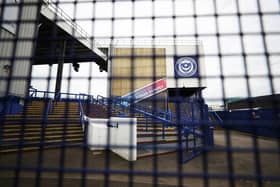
(186, 67)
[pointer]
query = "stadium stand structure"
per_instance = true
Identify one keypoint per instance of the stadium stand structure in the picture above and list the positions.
(52, 123)
(156, 87)
(41, 126)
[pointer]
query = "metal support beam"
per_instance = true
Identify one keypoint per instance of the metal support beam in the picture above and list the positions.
(60, 68)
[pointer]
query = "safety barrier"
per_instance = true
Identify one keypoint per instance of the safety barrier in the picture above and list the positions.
(261, 122)
(116, 133)
(10, 105)
(34, 93)
(199, 130)
(95, 128)
(46, 113)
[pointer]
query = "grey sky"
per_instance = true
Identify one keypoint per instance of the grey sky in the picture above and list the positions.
(230, 42)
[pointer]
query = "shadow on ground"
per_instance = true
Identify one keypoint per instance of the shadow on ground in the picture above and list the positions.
(77, 166)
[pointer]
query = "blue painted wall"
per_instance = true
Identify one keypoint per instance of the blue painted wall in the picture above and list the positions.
(10, 105)
(262, 122)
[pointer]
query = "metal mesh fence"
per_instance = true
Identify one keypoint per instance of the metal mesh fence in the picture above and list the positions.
(140, 92)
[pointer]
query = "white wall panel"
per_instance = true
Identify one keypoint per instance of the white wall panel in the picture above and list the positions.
(18, 51)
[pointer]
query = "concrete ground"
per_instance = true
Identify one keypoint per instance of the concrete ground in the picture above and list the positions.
(67, 169)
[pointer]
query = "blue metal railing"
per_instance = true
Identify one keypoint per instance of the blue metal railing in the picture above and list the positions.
(46, 113)
(166, 117)
(34, 93)
(216, 116)
(126, 104)
(80, 98)
(198, 129)
(83, 118)
(187, 126)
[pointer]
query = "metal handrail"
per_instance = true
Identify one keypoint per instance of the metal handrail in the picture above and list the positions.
(154, 114)
(78, 97)
(121, 101)
(53, 6)
(33, 93)
(164, 116)
(217, 116)
(82, 114)
(47, 111)
(67, 18)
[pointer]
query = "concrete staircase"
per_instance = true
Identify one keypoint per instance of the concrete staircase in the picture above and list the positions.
(153, 138)
(150, 139)
(30, 131)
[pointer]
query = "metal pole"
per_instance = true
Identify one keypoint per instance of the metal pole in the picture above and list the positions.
(60, 69)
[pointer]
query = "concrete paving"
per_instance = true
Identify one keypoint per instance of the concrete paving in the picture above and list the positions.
(236, 166)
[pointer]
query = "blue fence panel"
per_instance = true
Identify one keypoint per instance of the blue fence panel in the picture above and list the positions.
(263, 122)
(10, 105)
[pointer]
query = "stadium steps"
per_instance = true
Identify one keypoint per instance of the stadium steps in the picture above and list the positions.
(150, 141)
(28, 131)
(149, 131)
